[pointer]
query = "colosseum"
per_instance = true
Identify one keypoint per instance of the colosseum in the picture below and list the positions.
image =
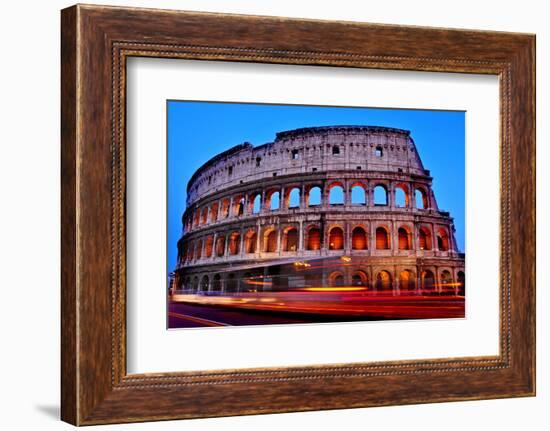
(318, 207)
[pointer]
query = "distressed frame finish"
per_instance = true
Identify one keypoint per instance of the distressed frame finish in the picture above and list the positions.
(96, 41)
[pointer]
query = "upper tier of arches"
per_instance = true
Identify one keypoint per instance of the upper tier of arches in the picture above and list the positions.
(316, 149)
(303, 196)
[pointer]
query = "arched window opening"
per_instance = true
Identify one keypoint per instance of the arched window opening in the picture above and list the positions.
(380, 195)
(359, 239)
(446, 280)
(205, 283)
(336, 278)
(220, 246)
(234, 243)
(199, 250)
(401, 197)
(204, 216)
(406, 280)
(314, 239)
(274, 201)
(209, 244)
(314, 196)
(335, 150)
(290, 240)
(196, 218)
(226, 204)
(250, 242)
(239, 206)
(217, 283)
(195, 284)
(358, 195)
(336, 239)
(428, 281)
(257, 204)
(403, 239)
(425, 239)
(191, 253)
(360, 278)
(421, 199)
(378, 152)
(294, 198)
(382, 238)
(383, 281)
(231, 283)
(214, 211)
(336, 195)
(270, 242)
(442, 240)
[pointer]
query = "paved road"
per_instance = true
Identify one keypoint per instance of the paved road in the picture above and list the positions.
(182, 315)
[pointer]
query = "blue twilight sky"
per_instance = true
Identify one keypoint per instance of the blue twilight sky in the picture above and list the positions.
(198, 131)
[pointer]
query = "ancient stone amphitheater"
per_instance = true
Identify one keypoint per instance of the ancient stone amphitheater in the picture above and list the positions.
(318, 207)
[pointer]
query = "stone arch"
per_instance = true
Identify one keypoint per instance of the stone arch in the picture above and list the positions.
(290, 238)
(231, 283)
(273, 199)
(195, 285)
(214, 211)
(208, 246)
(336, 278)
(424, 238)
(421, 198)
(406, 280)
(313, 238)
(359, 238)
(314, 196)
(205, 283)
(270, 240)
(250, 241)
(428, 281)
(336, 193)
(383, 240)
(384, 280)
(220, 246)
(191, 251)
(402, 199)
(360, 278)
(256, 203)
(404, 238)
(442, 239)
(225, 208)
(380, 193)
(358, 193)
(217, 283)
(336, 238)
(446, 281)
(198, 249)
(204, 215)
(238, 205)
(292, 198)
(196, 217)
(234, 243)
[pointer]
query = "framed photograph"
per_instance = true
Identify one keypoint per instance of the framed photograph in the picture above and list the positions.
(264, 215)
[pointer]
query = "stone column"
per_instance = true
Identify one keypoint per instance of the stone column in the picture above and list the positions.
(258, 238)
(347, 194)
(303, 203)
(263, 206)
(300, 237)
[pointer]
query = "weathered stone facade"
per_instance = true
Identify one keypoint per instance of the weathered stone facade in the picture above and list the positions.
(356, 192)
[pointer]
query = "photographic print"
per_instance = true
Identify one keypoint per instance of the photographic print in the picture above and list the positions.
(294, 214)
